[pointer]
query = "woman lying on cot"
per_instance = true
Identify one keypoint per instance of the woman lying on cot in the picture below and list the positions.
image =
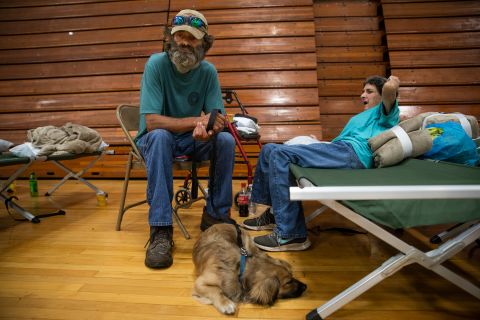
(349, 150)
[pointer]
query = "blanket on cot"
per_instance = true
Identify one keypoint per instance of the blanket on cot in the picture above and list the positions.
(68, 139)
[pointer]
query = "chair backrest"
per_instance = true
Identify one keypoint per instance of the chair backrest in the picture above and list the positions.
(129, 118)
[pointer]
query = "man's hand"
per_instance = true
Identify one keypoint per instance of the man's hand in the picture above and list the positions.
(219, 125)
(200, 131)
(393, 81)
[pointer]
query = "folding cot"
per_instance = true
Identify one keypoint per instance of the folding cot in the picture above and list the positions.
(413, 193)
(8, 159)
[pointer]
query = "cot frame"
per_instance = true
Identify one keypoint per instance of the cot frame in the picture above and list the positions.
(27, 162)
(408, 254)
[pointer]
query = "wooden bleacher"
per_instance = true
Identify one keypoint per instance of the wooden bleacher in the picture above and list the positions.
(433, 47)
(350, 47)
(297, 65)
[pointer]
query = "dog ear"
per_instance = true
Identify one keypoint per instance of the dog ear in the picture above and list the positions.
(265, 291)
(281, 263)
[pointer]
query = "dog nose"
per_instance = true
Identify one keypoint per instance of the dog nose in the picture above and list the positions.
(302, 286)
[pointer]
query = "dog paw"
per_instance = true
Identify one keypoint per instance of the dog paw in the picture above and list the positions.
(228, 307)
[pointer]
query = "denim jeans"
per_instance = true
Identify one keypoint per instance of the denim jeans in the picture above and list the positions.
(273, 178)
(159, 148)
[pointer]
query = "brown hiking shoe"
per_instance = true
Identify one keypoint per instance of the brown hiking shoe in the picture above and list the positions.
(159, 251)
(208, 220)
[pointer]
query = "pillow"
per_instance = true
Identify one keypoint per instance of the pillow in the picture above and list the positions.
(5, 145)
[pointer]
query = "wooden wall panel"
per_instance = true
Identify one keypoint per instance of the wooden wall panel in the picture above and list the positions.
(76, 60)
(423, 58)
(297, 65)
(351, 39)
(420, 8)
(82, 23)
(434, 48)
(438, 41)
(75, 10)
(81, 53)
(350, 47)
(428, 25)
(34, 3)
(203, 5)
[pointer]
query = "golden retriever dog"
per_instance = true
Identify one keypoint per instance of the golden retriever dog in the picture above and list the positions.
(217, 260)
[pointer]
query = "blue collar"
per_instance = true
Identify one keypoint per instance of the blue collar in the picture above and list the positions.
(243, 252)
(243, 260)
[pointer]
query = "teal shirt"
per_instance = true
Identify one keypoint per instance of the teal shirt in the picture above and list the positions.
(165, 91)
(365, 125)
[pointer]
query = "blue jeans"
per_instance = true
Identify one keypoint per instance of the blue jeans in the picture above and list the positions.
(159, 148)
(273, 178)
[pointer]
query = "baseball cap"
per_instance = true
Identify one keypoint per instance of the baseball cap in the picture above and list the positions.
(191, 21)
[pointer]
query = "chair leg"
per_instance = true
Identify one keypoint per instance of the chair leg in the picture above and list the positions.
(179, 222)
(121, 210)
(203, 190)
(194, 193)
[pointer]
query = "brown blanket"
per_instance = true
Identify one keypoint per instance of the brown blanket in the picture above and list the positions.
(392, 153)
(408, 125)
(71, 138)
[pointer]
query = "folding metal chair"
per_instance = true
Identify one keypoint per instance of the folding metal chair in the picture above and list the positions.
(129, 116)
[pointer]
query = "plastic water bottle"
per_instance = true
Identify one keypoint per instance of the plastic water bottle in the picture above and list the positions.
(243, 201)
(33, 185)
(252, 206)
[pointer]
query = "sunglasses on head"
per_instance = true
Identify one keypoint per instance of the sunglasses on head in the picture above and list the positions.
(189, 20)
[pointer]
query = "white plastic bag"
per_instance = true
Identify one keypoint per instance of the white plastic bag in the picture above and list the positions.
(25, 150)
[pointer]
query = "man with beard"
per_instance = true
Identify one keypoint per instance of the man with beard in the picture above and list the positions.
(178, 92)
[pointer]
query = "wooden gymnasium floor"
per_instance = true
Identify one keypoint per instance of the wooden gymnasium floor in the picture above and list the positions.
(78, 267)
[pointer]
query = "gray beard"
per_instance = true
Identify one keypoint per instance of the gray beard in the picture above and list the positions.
(186, 58)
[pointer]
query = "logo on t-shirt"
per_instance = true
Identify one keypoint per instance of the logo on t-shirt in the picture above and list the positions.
(193, 98)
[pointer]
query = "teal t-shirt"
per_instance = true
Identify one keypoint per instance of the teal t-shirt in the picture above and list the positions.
(365, 125)
(165, 91)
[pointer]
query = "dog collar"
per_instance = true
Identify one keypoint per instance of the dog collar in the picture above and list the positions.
(243, 251)
(243, 260)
